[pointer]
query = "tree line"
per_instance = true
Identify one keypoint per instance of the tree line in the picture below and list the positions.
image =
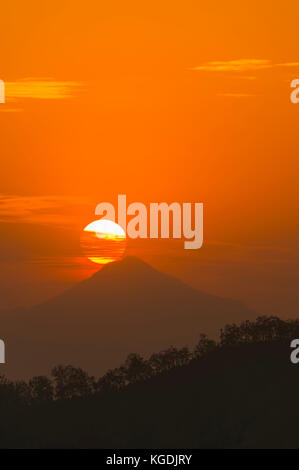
(68, 382)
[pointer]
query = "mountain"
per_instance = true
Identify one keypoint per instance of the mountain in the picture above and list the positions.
(127, 306)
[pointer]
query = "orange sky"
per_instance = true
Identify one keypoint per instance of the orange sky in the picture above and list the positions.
(162, 101)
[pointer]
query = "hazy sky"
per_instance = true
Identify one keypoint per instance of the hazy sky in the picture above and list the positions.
(162, 101)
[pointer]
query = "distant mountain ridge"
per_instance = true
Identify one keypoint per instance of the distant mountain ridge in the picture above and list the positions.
(127, 306)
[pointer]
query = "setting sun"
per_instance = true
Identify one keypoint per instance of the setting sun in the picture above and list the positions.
(103, 241)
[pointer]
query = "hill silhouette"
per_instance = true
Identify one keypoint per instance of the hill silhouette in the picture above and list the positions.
(127, 305)
(240, 392)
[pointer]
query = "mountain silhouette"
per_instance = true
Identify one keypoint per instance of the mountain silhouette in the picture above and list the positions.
(127, 306)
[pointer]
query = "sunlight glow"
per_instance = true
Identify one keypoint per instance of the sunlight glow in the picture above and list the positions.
(105, 228)
(103, 241)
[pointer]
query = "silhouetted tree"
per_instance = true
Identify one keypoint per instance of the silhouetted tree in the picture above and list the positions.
(204, 346)
(22, 391)
(7, 389)
(137, 368)
(72, 382)
(263, 329)
(42, 388)
(170, 358)
(113, 380)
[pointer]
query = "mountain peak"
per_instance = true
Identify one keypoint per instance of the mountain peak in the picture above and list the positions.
(132, 261)
(128, 265)
(126, 306)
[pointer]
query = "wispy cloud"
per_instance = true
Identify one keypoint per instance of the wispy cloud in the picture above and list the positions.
(288, 64)
(40, 89)
(241, 65)
(42, 210)
(10, 110)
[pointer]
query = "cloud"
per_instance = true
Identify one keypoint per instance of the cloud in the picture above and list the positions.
(241, 65)
(288, 64)
(40, 89)
(11, 110)
(42, 210)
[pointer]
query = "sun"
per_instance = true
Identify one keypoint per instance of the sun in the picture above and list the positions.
(103, 241)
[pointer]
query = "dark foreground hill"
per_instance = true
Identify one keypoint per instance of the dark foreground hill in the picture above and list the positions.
(126, 306)
(238, 396)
